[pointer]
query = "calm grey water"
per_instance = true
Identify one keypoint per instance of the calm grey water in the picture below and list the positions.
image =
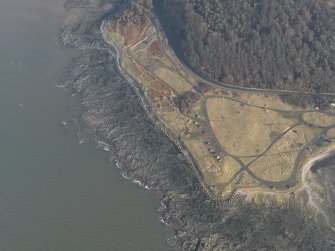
(54, 193)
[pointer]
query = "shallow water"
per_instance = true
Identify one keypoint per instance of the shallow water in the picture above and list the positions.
(322, 175)
(57, 194)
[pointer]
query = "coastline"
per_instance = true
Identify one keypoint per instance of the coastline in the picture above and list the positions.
(112, 111)
(146, 107)
(312, 162)
(305, 187)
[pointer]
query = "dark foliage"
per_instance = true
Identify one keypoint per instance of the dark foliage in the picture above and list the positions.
(280, 44)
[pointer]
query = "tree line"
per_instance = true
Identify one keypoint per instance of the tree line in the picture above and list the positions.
(279, 44)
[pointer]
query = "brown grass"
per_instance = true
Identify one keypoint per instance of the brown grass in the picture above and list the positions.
(318, 118)
(331, 133)
(275, 167)
(173, 79)
(271, 102)
(155, 50)
(131, 32)
(244, 130)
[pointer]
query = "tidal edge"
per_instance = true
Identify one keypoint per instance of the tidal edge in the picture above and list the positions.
(111, 110)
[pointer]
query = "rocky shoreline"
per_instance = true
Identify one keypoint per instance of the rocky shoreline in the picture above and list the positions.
(112, 111)
(149, 112)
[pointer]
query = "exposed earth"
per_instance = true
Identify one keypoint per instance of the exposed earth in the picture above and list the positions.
(173, 132)
(240, 140)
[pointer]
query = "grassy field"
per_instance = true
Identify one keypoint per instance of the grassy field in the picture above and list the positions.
(248, 182)
(270, 102)
(331, 133)
(173, 79)
(117, 38)
(320, 119)
(244, 130)
(174, 121)
(277, 167)
(230, 168)
(219, 127)
(293, 140)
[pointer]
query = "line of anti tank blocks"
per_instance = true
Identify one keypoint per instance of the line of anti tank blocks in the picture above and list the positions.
(157, 123)
(168, 133)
